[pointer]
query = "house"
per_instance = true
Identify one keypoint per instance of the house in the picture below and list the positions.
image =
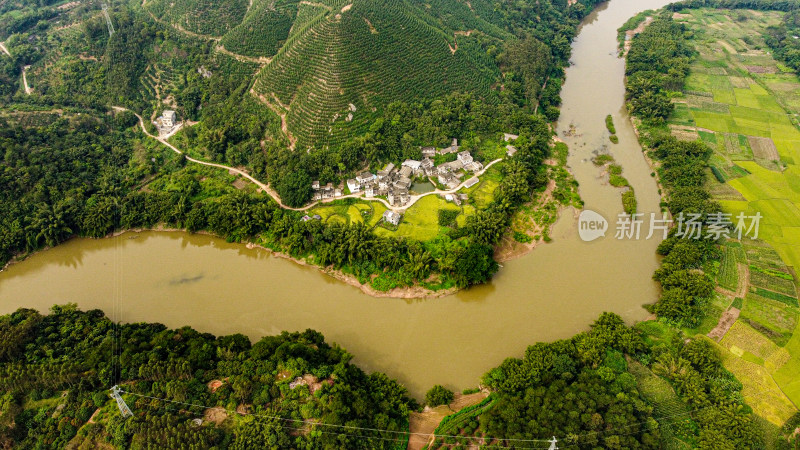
(387, 171)
(316, 217)
(406, 172)
(474, 166)
(369, 191)
(327, 191)
(452, 149)
(317, 196)
(428, 167)
(365, 177)
(337, 192)
(315, 185)
(465, 157)
(510, 150)
(428, 152)
(392, 217)
(509, 137)
(455, 198)
(383, 183)
(402, 183)
(169, 118)
(471, 182)
(452, 166)
(414, 165)
(353, 185)
(445, 178)
(305, 218)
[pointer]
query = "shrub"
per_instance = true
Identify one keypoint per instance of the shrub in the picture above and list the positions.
(439, 395)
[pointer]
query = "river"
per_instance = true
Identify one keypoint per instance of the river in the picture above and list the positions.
(552, 293)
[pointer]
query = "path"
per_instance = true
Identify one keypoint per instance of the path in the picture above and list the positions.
(263, 60)
(4, 49)
(422, 425)
(28, 89)
(266, 188)
(732, 314)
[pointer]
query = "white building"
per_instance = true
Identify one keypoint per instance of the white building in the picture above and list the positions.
(509, 137)
(392, 217)
(169, 118)
(353, 185)
(413, 165)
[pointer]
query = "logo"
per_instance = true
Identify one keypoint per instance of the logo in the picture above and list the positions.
(591, 225)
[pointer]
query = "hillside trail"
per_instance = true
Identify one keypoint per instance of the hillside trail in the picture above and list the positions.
(272, 193)
(28, 89)
(4, 49)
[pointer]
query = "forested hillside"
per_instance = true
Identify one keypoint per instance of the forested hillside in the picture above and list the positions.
(55, 371)
(601, 388)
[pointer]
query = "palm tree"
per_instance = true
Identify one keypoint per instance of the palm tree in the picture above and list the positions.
(50, 224)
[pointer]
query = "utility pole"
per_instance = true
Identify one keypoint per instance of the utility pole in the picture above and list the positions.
(108, 20)
(123, 407)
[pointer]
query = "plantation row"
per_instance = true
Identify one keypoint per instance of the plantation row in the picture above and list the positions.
(458, 16)
(339, 61)
(263, 31)
(208, 17)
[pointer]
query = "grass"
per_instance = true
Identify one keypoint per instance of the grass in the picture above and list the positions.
(421, 220)
(728, 276)
(666, 403)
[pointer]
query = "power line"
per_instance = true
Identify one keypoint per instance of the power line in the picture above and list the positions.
(398, 439)
(347, 427)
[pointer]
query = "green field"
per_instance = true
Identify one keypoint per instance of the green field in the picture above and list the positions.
(740, 104)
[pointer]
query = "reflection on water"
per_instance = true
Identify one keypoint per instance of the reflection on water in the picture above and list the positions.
(183, 279)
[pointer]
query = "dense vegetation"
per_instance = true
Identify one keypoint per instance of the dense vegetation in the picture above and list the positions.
(784, 42)
(296, 391)
(658, 62)
(610, 387)
(55, 371)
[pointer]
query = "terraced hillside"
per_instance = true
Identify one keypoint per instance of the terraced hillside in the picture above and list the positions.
(206, 17)
(345, 60)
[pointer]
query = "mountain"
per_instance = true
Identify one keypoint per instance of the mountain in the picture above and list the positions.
(333, 63)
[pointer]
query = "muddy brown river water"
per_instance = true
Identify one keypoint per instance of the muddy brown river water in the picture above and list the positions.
(557, 290)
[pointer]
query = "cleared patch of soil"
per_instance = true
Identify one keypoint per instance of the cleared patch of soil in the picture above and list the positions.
(215, 415)
(725, 324)
(425, 423)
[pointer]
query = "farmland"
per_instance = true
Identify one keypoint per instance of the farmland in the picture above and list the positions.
(739, 101)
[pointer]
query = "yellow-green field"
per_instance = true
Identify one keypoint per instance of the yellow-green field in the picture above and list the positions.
(742, 105)
(740, 102)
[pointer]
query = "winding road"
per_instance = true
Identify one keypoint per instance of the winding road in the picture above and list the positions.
(271, 192)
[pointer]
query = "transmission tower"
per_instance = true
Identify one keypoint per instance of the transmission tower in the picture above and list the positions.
(108, 20)
(553, 445)
(123, 407)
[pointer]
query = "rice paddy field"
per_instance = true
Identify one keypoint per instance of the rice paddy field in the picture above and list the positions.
(738, 100)
(745, 105)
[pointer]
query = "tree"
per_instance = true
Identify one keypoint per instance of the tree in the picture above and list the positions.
(439, 395)
(295, 188)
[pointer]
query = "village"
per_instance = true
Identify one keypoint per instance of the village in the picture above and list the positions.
(395, 183)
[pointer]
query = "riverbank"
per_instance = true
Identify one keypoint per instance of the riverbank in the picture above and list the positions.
(408, 292)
